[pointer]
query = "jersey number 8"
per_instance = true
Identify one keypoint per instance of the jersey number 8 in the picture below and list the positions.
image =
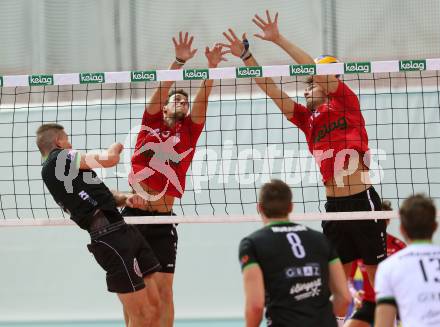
(295, 243)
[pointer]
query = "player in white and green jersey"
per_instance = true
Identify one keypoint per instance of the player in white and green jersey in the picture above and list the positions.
(409, 281)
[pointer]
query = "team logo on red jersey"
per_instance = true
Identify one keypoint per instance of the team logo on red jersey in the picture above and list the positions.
(162, 154)
(341, 123)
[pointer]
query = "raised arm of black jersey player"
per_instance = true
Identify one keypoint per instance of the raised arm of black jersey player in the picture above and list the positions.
(106, 159)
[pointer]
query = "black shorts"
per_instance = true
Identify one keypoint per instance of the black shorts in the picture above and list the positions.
(126, 257)
(357, 239)
(365, 312)
(162, 238)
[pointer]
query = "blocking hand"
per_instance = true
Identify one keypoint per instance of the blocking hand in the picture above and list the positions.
(215, 55)
(183, 47)
(269, 27)
(235, 45)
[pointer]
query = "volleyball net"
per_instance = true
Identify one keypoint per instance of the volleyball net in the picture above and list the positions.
(246, 140)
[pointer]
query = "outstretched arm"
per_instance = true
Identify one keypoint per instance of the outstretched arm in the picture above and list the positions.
(268, 85)
(271, 33)
(198, 111)
(106, 159)
(183, 53)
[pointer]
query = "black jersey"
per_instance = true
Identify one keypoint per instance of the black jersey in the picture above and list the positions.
(78, 192)
(294, 260)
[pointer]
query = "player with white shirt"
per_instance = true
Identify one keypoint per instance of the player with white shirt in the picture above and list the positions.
(409, 281)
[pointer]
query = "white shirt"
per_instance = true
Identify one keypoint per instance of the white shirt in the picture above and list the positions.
(410, 278)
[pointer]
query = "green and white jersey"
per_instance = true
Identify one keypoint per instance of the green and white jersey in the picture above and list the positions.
(410, 279)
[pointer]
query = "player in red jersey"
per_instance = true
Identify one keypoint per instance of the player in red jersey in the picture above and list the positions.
(164, 149)
(335, 131)
(336, 136)
(365, 299)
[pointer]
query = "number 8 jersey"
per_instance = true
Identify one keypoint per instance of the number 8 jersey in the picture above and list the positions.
(295, 264)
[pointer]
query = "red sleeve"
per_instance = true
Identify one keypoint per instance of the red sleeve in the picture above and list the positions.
(394, 243)
(195, 129)
(345, 96)
(301, 116)
(149, 120)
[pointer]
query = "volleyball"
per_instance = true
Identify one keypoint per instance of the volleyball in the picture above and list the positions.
(326, 59)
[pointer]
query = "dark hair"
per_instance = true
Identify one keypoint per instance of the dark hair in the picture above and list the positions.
(176, 91)
(386, 205)
(275, 199)
(417, 216)
(46, 135)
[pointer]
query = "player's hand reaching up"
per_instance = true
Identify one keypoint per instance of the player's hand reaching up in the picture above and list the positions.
(269, 27)
(215, 55)
(235, 46)
(183, 47)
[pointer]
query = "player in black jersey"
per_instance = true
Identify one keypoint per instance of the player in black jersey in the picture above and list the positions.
(289, 269)
(117, 247)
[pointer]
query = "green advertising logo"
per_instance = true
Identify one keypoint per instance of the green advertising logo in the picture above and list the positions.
(247, 72)
(301, 70)
(40, 80)
(143, 76)
(357, 67)
(194, 74)
(89, 78)
(412, 65)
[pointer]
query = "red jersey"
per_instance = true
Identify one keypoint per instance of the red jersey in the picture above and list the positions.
(163, 155)
(335, 126)
(393, 245)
